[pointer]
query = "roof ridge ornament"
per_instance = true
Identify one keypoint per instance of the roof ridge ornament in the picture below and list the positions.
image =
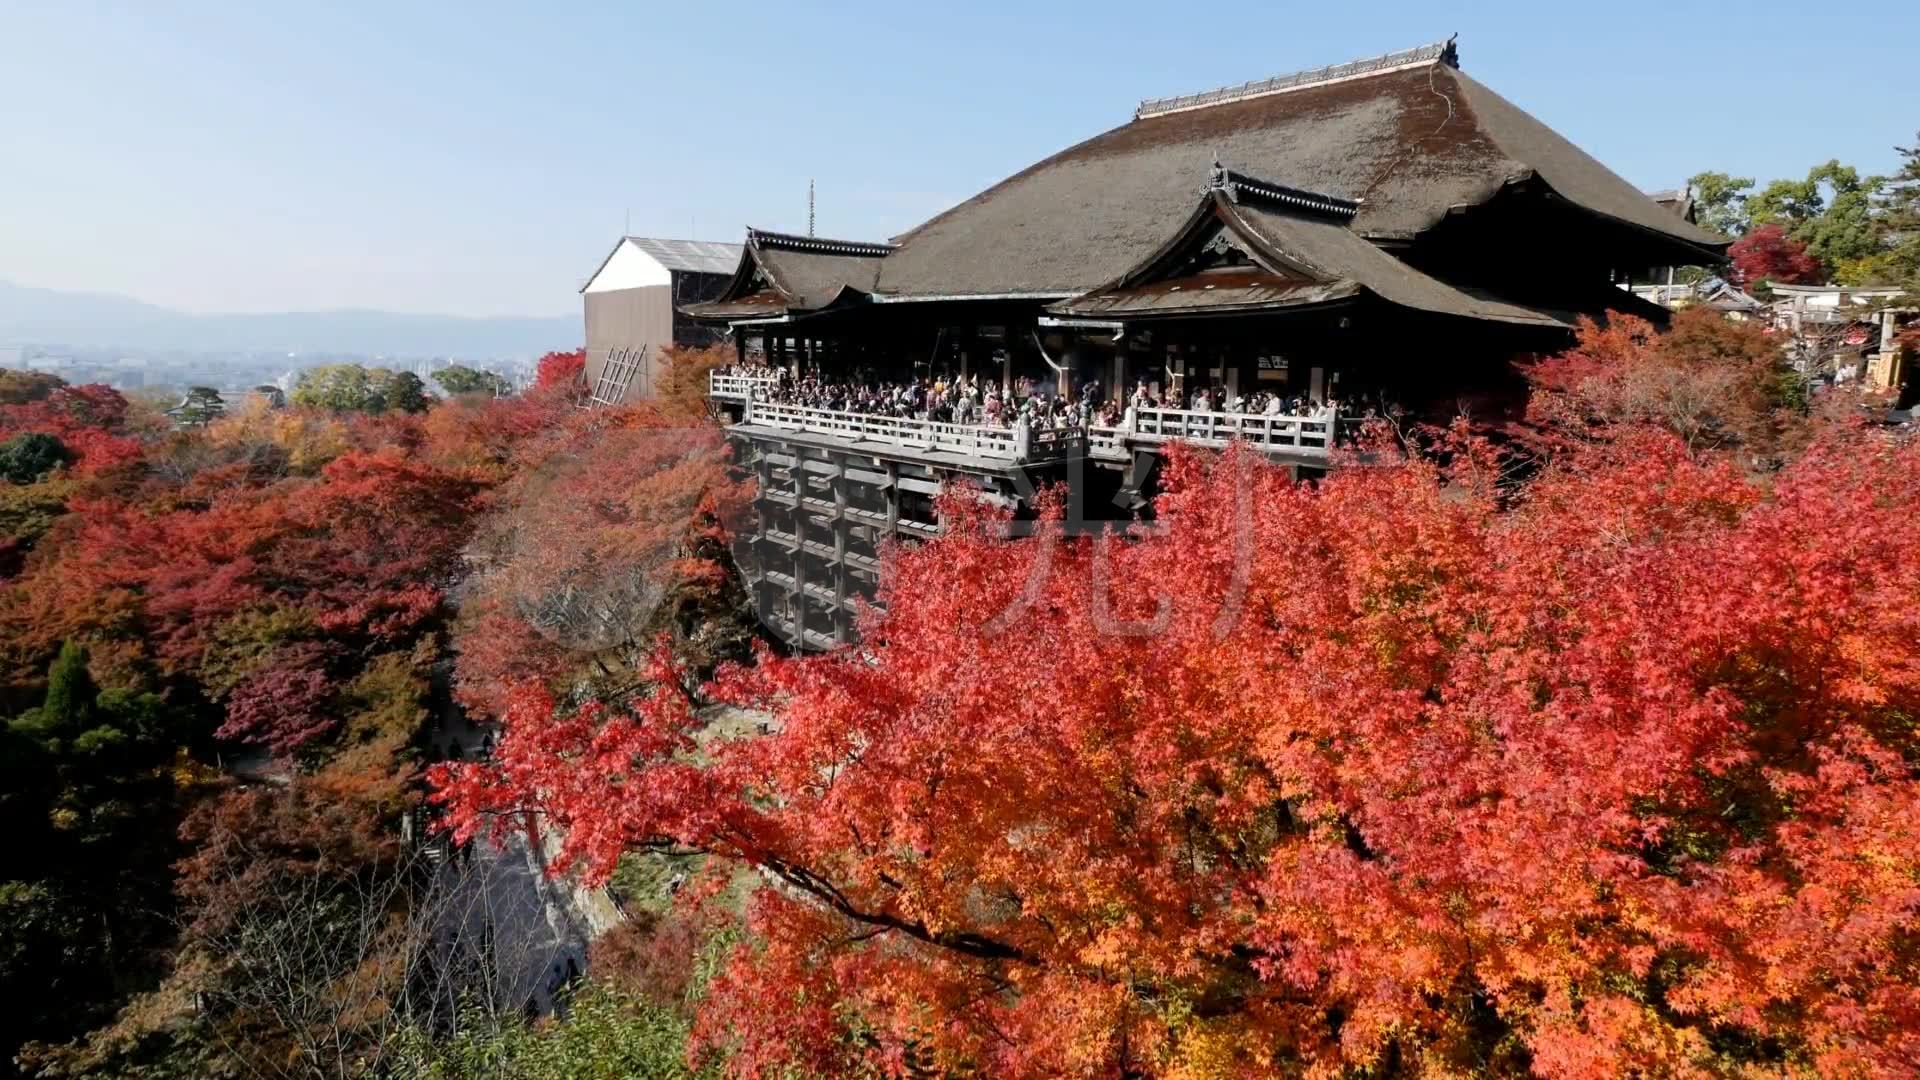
(816, 244)
(1238, 187)
(1442, 52)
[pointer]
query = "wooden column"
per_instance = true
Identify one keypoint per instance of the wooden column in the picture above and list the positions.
(797, 602)
(763, 472)
(893, 497)
(838, 481)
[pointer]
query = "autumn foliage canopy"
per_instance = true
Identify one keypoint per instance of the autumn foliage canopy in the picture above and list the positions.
(1402, 771)
(1768, 254)
(1715, 383)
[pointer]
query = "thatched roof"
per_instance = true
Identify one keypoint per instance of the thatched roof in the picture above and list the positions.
(1388, 147)
(1408, 141)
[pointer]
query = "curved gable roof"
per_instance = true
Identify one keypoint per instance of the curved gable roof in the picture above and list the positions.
(811, 272)
(1306, 255)
(1410, 142)
(780, 273)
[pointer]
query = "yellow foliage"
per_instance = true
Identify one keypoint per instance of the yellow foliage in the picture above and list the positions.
(310, 439)
(246, 641)
(190, 775)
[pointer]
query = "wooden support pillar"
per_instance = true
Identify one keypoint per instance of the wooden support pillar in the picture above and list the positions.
(797, 599)
(763, 470)
(893, 497)
(841, 628)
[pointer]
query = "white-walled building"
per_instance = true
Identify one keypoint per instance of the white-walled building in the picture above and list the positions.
(632, 307)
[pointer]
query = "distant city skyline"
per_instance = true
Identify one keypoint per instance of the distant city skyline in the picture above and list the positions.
(218, 157)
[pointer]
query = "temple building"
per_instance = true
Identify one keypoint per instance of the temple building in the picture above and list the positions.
(1388, 230)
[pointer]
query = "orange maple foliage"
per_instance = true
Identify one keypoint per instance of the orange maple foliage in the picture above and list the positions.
(1304, 780)
(1715, 383)
(600, 524)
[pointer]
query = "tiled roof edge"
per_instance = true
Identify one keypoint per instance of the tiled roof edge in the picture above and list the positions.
(1237, 186)
(816, 244)
(1444, 52)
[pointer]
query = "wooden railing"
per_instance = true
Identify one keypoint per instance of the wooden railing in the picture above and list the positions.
(1312, 434)
(974, 440)
(739, 387)
(1297, 435)
(1108, 442)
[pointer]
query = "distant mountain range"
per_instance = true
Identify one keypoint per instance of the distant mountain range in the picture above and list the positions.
(30, 316)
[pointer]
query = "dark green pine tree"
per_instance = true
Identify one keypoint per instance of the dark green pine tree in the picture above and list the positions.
(69, 706)
(1898, 221)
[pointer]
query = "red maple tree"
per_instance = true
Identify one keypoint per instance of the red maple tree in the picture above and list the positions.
(560, 370)
(1767, 253)
(1372, 774)
(91, 420)
(1715, 383)
(589, 545)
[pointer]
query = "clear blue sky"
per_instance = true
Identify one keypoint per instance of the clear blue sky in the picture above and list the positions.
(479, 158)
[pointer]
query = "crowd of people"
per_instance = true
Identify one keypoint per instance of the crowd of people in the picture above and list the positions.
(968, 399)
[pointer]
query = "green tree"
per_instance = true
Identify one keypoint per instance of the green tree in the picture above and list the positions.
(401, 391)
(201, 406)
(1898, 220)
(337, 388)
(51, 950)
(353, 388)
(460, 379)
(26, 458)
(87, 803)
(1720, 201)
(1831, 211)
(70, 691)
